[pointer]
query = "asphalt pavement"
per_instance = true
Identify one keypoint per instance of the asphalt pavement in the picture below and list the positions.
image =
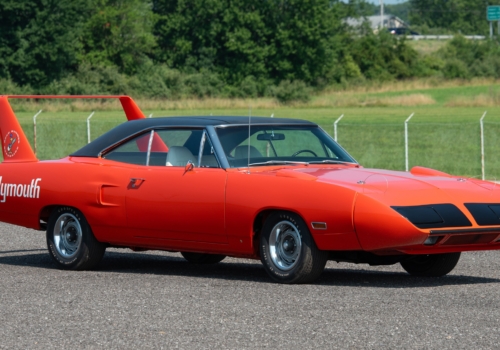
(156, 300)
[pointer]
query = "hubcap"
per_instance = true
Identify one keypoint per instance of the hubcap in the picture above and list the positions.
(67, 235)
(285, 245)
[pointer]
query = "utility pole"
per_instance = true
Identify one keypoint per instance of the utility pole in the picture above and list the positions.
(381, 14)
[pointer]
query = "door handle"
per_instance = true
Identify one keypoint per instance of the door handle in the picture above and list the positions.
(135, 182)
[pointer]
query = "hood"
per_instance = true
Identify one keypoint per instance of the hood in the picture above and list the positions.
(395, 210)
(419, 186)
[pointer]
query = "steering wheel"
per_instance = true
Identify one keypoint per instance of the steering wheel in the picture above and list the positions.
(304, 151)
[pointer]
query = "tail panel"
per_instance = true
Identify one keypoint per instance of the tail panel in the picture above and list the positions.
(15, 145)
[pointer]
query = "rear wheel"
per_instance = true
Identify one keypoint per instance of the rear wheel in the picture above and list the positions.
(202, 258)
(435, 265)
(288, 251)
(70, 240)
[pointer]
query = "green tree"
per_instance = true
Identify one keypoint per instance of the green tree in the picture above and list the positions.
(228, 37)
(118, 33)
(266, 39)
(383, 56)
(39, 39)
(11, 21)
(305, 39)
(464, 16)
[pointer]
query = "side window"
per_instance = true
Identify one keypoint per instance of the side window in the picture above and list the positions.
(208, 158)
(179, 137)
(188, 145)
(183, 145)
(131, 152)
(167, 147)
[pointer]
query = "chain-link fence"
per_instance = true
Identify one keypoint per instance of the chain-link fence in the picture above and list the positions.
(450, 147)
(454, 148)
(53, 138)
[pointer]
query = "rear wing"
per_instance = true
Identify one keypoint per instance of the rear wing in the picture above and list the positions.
(15, 145)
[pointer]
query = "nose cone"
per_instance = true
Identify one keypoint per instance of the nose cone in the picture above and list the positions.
(379, 226)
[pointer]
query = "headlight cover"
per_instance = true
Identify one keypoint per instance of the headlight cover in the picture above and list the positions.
(433, 215)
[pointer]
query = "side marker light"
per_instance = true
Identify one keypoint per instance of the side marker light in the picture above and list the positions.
(431, 240)
(318, 225)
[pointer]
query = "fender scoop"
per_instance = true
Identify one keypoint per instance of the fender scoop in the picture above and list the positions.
(295, 174)
(422, 171)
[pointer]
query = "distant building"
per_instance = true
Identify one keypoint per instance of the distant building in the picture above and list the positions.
(389, 21)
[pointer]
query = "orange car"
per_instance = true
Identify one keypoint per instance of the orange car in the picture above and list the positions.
(281, 190)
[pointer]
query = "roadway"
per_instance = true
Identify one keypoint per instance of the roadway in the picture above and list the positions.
(156, 300)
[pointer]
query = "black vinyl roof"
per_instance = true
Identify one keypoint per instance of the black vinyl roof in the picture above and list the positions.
(133, 127)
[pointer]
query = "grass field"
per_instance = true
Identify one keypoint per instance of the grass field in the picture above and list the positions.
(444, 132)
(427, 46)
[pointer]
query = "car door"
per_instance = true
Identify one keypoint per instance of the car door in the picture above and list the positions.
(167, 200)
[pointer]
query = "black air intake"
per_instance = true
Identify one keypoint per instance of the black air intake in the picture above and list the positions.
(485, 214)
(434, 215)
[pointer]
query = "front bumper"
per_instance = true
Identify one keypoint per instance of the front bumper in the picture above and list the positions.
(384, 230)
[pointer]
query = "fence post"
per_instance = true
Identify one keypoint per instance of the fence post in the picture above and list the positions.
(88, 126)
(34, 129)
(406, 140)
(335, 128)
(482, 145)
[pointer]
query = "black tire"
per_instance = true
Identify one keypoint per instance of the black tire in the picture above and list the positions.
(435, 265)
(202, 258)
(70, 240)
(288, 251)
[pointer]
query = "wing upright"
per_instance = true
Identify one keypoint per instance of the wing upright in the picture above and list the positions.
(15, 144)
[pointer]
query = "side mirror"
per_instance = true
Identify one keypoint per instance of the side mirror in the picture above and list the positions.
(189, 166)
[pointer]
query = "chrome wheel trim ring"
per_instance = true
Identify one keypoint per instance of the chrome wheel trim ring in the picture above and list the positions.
(67, 235)
(285, 245)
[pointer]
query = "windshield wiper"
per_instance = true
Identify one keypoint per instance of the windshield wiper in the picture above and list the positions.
(278, 162)
(329, 161)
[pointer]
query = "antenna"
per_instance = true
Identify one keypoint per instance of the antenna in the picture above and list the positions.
(249, 123)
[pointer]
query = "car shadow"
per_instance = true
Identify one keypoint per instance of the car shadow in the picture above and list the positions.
(22, 251)
(139, 263)
(394, 279)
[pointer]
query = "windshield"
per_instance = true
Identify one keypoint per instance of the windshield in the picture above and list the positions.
(275, 144)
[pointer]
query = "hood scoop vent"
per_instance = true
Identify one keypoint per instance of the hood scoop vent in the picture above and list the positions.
(295, 174)
(422, 171)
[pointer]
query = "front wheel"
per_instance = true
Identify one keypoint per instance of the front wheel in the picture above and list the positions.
(288, 251)
(434, 265)
(70, 240)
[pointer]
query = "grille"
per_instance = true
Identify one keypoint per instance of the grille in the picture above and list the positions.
(471, 239)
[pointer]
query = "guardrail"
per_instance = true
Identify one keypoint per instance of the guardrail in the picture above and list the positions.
(443, 37)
